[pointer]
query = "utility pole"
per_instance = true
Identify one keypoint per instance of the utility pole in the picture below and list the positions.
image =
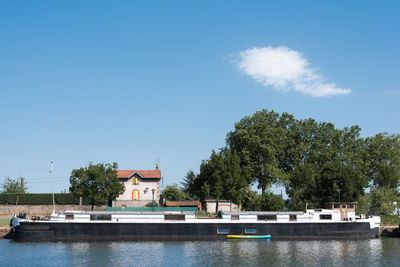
(51, 171)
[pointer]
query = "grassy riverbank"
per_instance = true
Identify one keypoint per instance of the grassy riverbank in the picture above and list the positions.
(5, 220)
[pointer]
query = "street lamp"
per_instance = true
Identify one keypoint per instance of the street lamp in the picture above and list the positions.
(152, 203)
(339, 192)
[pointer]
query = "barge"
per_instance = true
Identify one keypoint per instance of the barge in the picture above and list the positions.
(80, 225)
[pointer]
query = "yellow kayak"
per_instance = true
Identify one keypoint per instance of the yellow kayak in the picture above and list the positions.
(249, 236)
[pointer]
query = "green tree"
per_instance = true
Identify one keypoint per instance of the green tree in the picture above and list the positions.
(97, 182)
(222, 177)
(235, 178)
(210, 178)
(264, 202)
(384, 200)
(17, 186)
(384, 159)
(302, 189)
(364, 204)
(173, 193)
(261, 140)
(187, 185)
(313, 160)
(322, 160)
(336, 176)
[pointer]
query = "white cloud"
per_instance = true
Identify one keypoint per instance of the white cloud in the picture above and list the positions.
(285, 69)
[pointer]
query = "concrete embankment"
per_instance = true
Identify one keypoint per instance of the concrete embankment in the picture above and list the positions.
(4, 231)
(390, 231)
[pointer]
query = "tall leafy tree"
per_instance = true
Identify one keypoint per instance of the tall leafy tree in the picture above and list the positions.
(324, 160)
(384, 159)
(221, 177)
(384, 200)
(336, 176)
(313, 160)
(97, 182)
(211, 178)
(267, 201)
(17, 186)
(187, 185)
(261, 141)
(235, 178)
(301, 187)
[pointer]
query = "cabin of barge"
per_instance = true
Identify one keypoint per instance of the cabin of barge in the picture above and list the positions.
(347, 209)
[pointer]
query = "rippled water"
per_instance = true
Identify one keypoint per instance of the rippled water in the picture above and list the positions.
(372, 252)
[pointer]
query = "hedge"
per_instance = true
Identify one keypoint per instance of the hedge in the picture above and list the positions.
(40, 199)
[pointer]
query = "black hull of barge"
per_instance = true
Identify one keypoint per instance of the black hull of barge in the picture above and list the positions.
(187, 231)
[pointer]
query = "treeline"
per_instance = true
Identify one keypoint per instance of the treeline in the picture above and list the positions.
(314, 161)
(96, 184)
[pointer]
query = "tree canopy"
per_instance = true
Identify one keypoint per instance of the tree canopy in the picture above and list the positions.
(260, 142)
(173, 193)
(97, 182)
(17, 186)
(313, 160)
(221, 177)
(383, 200)
(267, 201)
(187, 187)
(384, 159)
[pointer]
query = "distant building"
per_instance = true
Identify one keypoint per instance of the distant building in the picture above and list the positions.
(223, 205)
(139, 186)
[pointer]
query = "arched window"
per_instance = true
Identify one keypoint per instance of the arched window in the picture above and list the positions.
(135, 180)
(135, 194)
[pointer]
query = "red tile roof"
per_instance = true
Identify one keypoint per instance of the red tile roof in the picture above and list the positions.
(154, 174)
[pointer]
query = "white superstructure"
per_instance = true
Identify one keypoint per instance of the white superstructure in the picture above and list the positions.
(310, 216)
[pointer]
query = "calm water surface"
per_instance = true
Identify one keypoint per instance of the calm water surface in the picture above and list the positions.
(373, 252)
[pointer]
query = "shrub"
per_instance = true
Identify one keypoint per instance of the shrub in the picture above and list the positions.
(389, 220)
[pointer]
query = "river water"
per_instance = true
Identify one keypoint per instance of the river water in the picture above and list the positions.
(371, 252)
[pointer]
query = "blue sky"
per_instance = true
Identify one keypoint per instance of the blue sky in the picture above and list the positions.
(140, 81)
